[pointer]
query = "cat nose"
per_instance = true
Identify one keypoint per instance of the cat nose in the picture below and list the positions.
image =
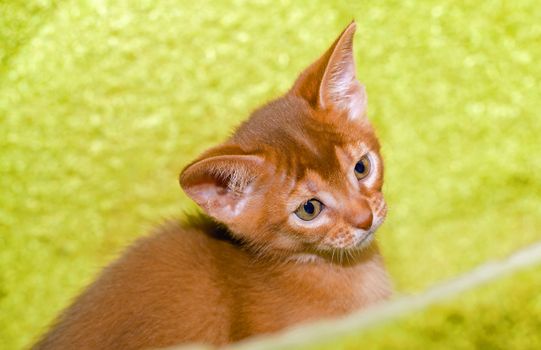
(362, 217)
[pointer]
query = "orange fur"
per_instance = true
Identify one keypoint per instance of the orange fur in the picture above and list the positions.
(252, 265)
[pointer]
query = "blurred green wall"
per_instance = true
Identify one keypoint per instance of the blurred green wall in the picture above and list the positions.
(103, 102)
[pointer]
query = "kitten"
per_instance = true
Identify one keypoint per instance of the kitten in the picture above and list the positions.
(293, 200)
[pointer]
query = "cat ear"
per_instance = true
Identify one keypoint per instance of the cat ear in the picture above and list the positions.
(330, 82)
(223, 184)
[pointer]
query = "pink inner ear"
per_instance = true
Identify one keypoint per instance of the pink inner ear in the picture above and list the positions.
(339, 87)
(222, 185)
(219, 202)
(330, 83)
(353, 100)
(213, 198)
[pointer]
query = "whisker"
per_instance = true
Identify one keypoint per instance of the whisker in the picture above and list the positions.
(347, 256)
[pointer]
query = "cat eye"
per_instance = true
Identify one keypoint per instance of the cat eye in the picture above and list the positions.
(309, 210)
(362, 168)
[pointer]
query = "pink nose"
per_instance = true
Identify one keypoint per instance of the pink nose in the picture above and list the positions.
(363, 220)
(362, 216)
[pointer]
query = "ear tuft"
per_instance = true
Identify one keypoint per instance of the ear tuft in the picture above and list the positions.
(234, 179)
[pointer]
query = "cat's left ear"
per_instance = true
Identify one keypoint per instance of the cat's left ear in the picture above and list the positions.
(330, 82)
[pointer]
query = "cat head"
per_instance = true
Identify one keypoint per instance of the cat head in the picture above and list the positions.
(303, 174)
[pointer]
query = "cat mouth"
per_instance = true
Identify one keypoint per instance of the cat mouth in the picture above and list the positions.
(353, 241)
(342, 253)
(365, 239)
(358, 240)
(368, 236)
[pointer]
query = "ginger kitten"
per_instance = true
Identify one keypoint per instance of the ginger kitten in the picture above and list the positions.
(293, 200)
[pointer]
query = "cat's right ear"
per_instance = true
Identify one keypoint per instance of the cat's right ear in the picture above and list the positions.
(223, 184)
(330, 83)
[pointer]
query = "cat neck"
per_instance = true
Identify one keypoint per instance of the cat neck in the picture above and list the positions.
(361, 279)
(211, 228)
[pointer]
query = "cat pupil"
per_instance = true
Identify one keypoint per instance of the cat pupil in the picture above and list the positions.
(359, 167)
(309, 208)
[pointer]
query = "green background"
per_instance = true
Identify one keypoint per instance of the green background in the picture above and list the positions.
(103, 102)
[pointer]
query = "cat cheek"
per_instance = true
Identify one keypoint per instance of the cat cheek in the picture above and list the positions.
(379, 208)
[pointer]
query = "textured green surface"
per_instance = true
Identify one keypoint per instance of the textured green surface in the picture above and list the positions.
(102, 103)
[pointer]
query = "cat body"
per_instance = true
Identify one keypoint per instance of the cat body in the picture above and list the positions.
(292, 201)
(184, 285)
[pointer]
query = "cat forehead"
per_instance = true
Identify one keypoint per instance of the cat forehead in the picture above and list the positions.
(290, 121)
(326, 164)
(296, 138)
(316, 180)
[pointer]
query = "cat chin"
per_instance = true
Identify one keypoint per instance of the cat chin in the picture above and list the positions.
(304, 258)
(363, 239)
